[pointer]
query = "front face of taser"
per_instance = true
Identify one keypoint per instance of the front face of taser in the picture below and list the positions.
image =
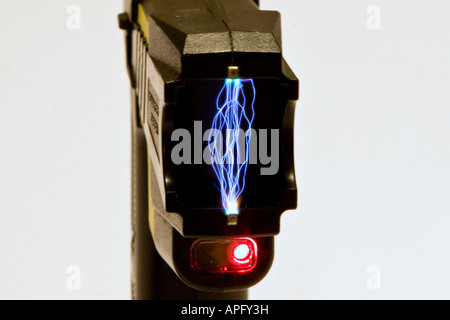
(228, 156)
(217, 106)
(230, 159)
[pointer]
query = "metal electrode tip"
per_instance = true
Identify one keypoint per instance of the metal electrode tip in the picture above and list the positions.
(233, 72)
(232, 219)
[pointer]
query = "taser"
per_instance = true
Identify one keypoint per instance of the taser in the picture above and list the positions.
(212, 114)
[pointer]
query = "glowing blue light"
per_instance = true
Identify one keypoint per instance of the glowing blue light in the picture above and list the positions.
(231, 119)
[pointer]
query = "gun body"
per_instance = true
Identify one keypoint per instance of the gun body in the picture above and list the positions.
(179, 55)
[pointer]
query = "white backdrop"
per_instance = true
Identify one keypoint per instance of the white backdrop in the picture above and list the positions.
(372, 151)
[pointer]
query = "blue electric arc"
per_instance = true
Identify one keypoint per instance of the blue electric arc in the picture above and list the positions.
(230, 155)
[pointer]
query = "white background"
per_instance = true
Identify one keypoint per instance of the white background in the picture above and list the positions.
(372, 152)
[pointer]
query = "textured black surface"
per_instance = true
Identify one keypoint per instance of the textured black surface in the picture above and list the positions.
(192, 42)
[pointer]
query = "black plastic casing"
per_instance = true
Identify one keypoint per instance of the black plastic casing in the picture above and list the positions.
(181, 48)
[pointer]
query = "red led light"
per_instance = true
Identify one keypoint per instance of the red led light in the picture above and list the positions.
(241, 252)
(238, 255)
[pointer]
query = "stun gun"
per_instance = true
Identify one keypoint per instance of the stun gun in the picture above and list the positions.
(212, 118)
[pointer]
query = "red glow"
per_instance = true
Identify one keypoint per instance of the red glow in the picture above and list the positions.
(241, 252)
(244, 254)
(237, 255)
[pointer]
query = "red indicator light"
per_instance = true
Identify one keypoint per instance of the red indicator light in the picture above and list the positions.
(241, 252)
(238, 255)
